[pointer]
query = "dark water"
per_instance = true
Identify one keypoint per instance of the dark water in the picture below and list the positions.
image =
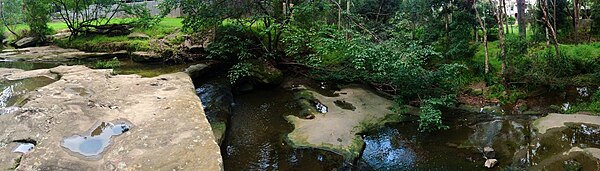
(93, 143)
(402, 147)
(255, 136)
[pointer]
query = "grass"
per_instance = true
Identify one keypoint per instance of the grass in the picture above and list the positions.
(104, 43)
(109, 64)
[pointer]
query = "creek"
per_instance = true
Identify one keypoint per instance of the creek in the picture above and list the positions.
(254, 130)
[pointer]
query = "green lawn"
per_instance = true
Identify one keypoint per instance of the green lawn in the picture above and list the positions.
(167, 25)
(103, 43)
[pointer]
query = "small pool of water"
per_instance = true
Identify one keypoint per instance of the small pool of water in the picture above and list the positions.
(93, 143)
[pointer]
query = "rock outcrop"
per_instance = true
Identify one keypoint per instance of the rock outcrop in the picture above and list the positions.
(554, 120)
(53, 53)
(167, 128)
(337, 129)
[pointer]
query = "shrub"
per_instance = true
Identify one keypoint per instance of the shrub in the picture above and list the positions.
(37, 16)
(430, 117)
(108, 64)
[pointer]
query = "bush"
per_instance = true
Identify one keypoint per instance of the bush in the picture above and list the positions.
(37, 16)
(109, 64)
(430, 117)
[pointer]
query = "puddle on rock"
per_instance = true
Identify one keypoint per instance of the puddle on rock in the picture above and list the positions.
(321, 108)
(344, 105)
(24, 148)
(97, 140)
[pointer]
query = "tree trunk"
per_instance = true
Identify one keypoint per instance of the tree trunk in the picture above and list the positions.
(576, 19)
(550, 26)
(521, 19)
(499, 20)
(339, 14)
(485, 42)
(505, 15)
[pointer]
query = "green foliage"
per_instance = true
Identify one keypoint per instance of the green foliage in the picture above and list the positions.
(11, 15)
(102, 43)
(108, 64)
(142, 15)
(563, 23)
(595, 17)
(234, 43)
(544, 68)
(430, 117)
(37, 16)
(238, 71)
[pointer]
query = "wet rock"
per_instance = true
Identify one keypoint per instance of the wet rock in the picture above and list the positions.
(266, 74)
(5, 41)
(489, 163)
(179, 137)
(26, 42)
(217, 100)
(245, 87)
(555, 120)
(196, 71)
(324, 132)
(489, 153)
(146, 57)
(138, 35)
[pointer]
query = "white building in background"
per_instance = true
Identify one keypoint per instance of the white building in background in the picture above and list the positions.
(511, 6)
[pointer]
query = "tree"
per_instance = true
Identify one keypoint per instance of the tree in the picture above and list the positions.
(499, 15)
(273, 16)
(37, 16)
(83, 15)
(521, 19)
(485, 39)
(543, 5)
(11, 14)
(595, 17)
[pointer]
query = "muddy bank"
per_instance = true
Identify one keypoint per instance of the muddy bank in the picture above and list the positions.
(156, 123)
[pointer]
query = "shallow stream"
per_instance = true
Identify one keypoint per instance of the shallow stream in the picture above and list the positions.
(256, 129)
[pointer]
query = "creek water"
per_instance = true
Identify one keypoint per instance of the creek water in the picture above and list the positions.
(256, 129)
(255, 132)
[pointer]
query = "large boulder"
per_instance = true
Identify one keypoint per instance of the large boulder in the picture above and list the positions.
(146, 57)
(265, 74)
(196, 71)
(26, 42)
(141, 124)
